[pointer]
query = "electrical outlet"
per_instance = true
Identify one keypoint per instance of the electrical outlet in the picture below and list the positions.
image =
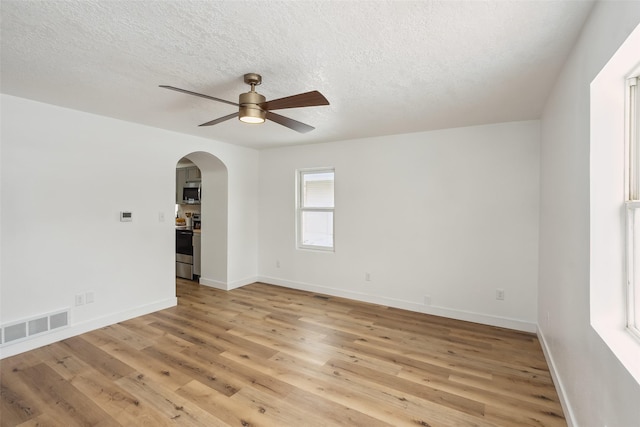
(500, 294)
(79, 299)
(367, 277)
(427, 300)
(161, 216)
(278, 264)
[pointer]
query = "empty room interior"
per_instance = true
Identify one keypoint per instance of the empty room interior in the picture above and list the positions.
(305, 213)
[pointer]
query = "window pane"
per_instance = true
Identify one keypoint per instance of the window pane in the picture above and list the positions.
(634, 139)
(317, 228)
(317, 190)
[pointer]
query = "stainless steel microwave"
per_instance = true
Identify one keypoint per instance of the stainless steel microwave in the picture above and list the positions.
(191, 192)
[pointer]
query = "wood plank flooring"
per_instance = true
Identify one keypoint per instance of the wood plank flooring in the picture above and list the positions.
(264, 355)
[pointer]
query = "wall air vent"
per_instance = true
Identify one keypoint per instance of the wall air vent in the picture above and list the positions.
(18, 331)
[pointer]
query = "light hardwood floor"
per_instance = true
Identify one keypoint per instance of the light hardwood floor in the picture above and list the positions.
(264, 355)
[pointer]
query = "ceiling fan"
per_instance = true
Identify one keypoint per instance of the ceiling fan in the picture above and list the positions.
(254, 108)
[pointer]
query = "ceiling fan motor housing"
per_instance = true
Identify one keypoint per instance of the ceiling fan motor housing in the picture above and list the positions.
(250, 111)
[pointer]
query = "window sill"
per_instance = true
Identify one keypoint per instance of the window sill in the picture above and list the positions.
(315, 249)
(624, 346)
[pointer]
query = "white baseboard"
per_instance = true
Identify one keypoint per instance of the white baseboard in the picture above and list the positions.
(227, 286)
(564, 402)
(243, 282)
(213, 283)
(468, 316)
(86, 326)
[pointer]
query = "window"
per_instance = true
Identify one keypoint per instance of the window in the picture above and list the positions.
(315, 208)
(633, 206)
(611, 275)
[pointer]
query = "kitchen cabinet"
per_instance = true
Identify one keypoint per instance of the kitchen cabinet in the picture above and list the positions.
(181, 178)
(183, 175)
(193, 174)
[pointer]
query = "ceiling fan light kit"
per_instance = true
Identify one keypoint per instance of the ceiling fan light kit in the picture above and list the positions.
(252, 115)
(254, 108)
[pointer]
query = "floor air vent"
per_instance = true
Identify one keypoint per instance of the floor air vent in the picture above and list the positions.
(19, 331)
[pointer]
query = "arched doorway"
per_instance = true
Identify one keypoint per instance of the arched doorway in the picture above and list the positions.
(213, 210)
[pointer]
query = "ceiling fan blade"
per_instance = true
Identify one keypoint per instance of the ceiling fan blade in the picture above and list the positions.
(308, 99)
(198, 94)
(220, 120)
(290, 123)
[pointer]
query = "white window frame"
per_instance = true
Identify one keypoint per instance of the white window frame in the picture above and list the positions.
(632, 192)
(300, 209)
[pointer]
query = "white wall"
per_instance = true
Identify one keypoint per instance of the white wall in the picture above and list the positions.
(66, 175)
(449, 214)
(597, 390)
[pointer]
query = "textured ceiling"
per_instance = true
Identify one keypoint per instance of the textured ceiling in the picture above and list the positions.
(386, 67)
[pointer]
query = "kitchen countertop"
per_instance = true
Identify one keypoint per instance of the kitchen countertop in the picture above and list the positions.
(184, 227)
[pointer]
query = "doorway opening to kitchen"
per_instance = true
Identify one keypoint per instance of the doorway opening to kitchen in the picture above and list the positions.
(201, 219)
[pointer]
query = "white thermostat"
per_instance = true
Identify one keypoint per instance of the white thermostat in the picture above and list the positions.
(126, 216)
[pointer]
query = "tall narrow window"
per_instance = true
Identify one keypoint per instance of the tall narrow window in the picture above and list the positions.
(633, 207)
(315, 208)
